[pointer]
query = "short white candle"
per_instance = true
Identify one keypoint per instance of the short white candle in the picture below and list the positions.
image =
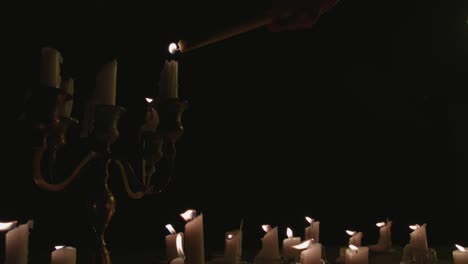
(171, 246)
(17, 243)
(312, 231)
(355, 239)
(65, 109)
(233, 246)
(169, 80)
(63, 255)
(460, 255)
(180, 251)
(288, 243)
(270, 248)
(194, 239)
(385, 237)
(357, 255)
(311, 252)
(418, 238)
(50, 67)
(106, 83)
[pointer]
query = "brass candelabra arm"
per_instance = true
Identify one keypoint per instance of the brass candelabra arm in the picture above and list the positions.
(123, 169)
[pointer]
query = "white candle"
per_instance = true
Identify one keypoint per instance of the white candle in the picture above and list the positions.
(171, 246)
(312, 231)
(357, 255)
(270, 248)
(312, 255)
(194, 240)
(106, 83)
(180, 251)
(169, 80)
(385, 237)
(63, 255)
(233, 246)
(288, 243)
(50, 67)
(355, 239)
(151, 118)
(460, 255)
(16, 244)
(418, 238)
(65, 109)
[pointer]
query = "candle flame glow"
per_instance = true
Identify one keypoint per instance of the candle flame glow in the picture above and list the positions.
(7, 225)
(171, 229)
(266, 228)
(188, 215)
(289, 232)
(179, 245)
(309, 220)
(414, 227)
(230, 236)
(304, 244)
(462, 249)
(351, 233)
(380, 224)
(59, 247)
(149, 100)
(173, 48)
(353, 247)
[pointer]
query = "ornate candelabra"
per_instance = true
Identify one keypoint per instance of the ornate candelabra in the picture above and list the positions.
(49, 134)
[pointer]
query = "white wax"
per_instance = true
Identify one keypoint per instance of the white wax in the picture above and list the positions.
(16, 244)
(270, 248)
(360, 256)
(418, 239)
(385, 238)
(65, 255)
(233, 246)
(288, 250)
(460, 257)
(178, 260)
(312, 255)
(356, 239)
(65, 109)
(106, 83)
(313, 231)
(171, 246)
(151, 120)
(194, 241)
(50, 67)
(169, 80)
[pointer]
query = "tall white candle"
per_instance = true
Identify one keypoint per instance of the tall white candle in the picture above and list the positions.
(357, 255)
(233, 246)
(171, 245)
(106, 83)
(312, 231)
(65, 109)
(16, 244)
(270, 247)
(288, 243)
(418, 238)
(151, 118)
(180, 251)
(460, 255)
(385, 237)
(63, 255)
(194, 239)
(169, 80)
(50, 67)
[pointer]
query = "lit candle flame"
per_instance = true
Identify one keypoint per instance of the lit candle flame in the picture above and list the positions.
(380, 224)
(309, 220)
(414, 227)
(462, 249)
(230, 236)
(188, 215)
(351, 233)
(149, 100)
(171, 229)
(59, 247)
(266, 228)
(353, 247)
(304, 244)
(289, 232)
(173, 48)
(7, 225)
(179, 245)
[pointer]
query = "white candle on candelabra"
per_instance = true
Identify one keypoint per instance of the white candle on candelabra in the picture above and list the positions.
(171, 245)
(418, 238)
(65, 108)
(270, 248)
(17, 243)
(312, 231)
(233, 246)
(288, 243)
(194, 239)
(169, 80)
(106, 83)
(355, 239)
(50, 67)
(460, 255)
(180, 251)
(311, 252)
(151, 118)
(385, 237)
(357, 255)
(63, 255)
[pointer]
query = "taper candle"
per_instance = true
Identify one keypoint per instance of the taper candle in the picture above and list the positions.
(106, 83)
(194, 239)
(65, 108)
(51, 59)
(169, 80)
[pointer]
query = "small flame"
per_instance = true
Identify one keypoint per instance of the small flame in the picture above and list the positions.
(414, 227)
(309, 220)
(179, 245)
(59, 247)
(462, 249)
(149, 100)
(351, 233)
(304, 244)
(7, 225)
(230, 236)
(188, 215)
(173, 48)
(289, 232)
(353, 247)
(380, 224)
(171, 229)
(266, 228)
